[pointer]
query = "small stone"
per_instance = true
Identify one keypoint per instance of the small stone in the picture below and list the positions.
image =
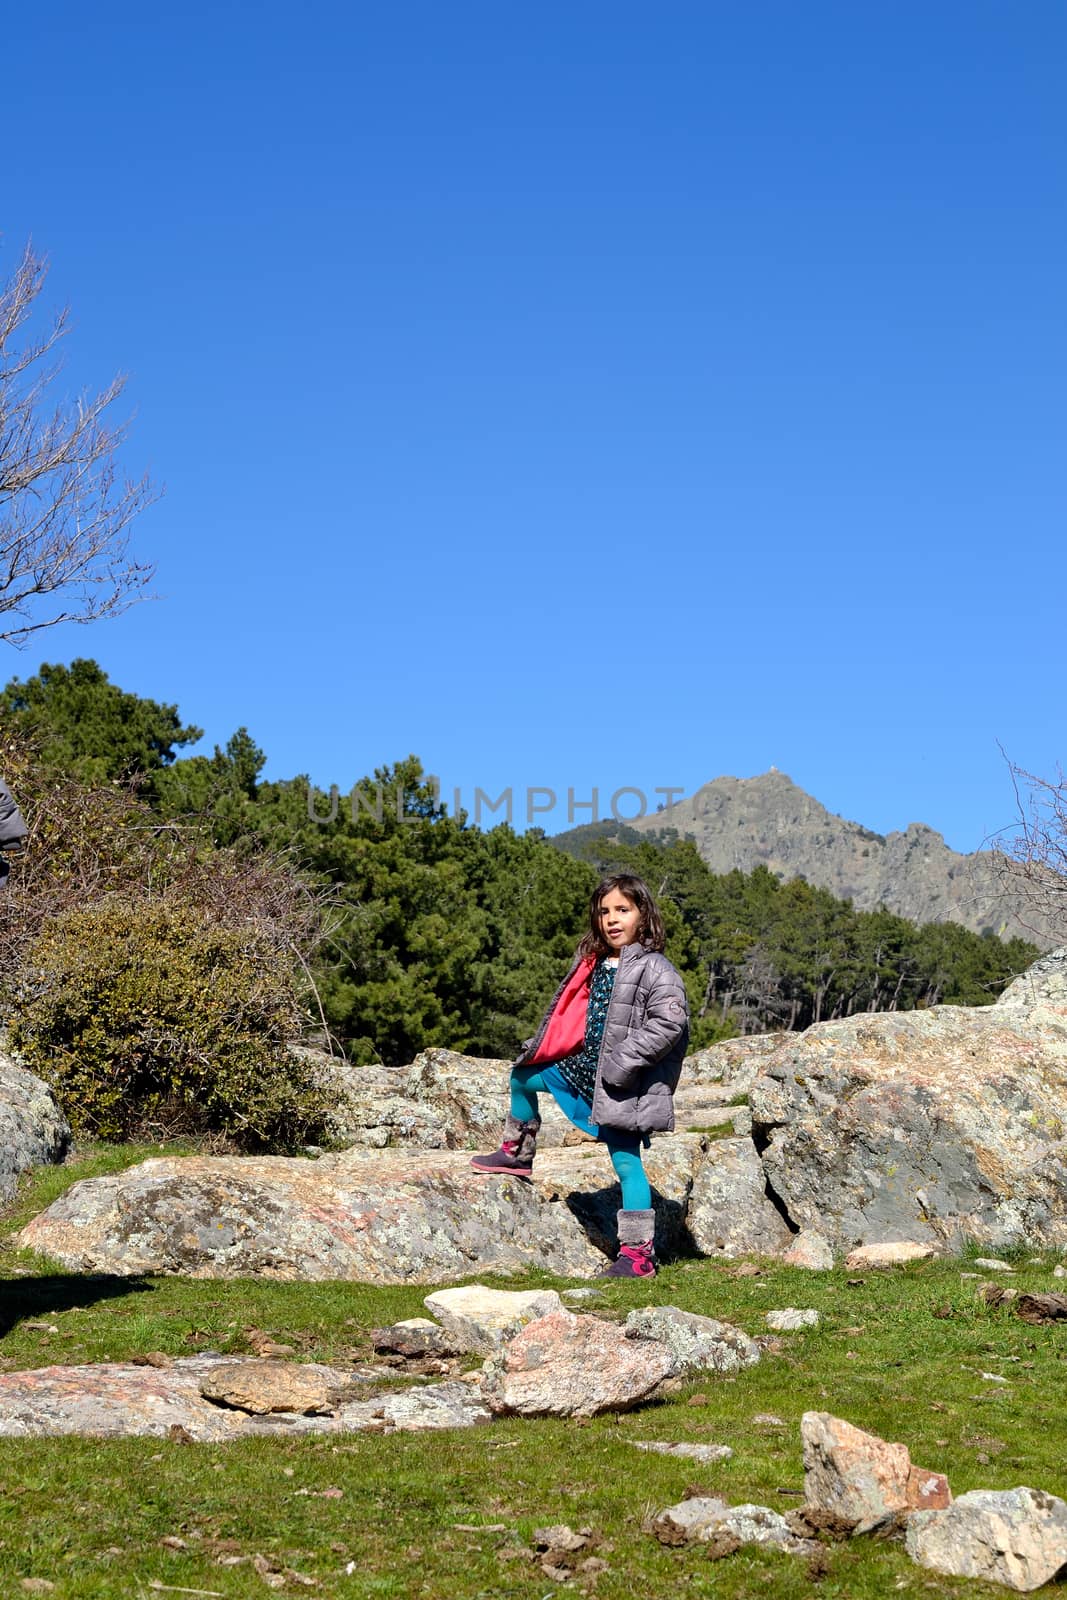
(991, 1264)
(683, 1522)
(412, 1338)
(696, 1344)
(767, 1419)
(583, 1296)
(481, 1319)
(790, 1319)
(752, 1524)
(261, 1387)
(725, 1528)
(810, 1249)
(690, 1452)
(573, 1366)
(894, 1253)
(559, 1537)
(1059, 1271)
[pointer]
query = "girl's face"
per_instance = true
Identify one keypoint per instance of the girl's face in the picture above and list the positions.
(620, 920)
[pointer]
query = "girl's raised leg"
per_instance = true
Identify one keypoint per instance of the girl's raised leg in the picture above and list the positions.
(519, 1143)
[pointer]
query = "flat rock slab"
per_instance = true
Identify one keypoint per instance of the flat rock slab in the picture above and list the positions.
(684, 1450)
(791, 1318)
(110, 1400)
(893, 1253)
(707, 1520)
(387, 1216)
(1016, 1537)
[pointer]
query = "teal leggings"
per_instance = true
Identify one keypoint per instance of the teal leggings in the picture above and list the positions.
(623, 1148)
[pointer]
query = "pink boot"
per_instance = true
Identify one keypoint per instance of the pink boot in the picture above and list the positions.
(516, 1154)
(637, 1255)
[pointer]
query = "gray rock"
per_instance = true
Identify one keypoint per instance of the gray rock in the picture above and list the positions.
(33, 1130)
(445, 1100)
(1016, 1537)
(695, 1344)
(790, 1319)
(707, 1520)
(729, 1213)
(684, 1522)
(414, 1337)
(752, 1524)
(991, 1264)
(704, 1453)
(388, 1216)
(730, 1067)
(929, 1126)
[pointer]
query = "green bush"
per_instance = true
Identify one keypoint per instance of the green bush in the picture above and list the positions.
(150, 1019)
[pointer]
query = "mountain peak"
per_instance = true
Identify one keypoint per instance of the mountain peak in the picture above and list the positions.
(768, 820)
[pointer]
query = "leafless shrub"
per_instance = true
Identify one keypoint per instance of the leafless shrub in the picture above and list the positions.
(64, 506)
(1032, 853)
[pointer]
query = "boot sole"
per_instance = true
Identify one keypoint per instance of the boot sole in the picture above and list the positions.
(503, 1172)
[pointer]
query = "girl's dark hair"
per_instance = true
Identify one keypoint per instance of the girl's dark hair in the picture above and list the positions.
(650, 929)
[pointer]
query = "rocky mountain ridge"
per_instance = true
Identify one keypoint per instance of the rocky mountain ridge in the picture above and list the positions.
(770, 821)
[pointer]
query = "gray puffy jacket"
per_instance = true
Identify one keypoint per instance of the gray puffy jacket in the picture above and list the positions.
(12, 828)
(646, 1033)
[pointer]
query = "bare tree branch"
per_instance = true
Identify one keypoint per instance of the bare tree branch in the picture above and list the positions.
(65, 509)
(1032, 853)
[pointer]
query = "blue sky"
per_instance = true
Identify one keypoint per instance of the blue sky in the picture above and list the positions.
(577, 395)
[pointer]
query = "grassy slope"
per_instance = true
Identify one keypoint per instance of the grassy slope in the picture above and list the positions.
(90, 1516)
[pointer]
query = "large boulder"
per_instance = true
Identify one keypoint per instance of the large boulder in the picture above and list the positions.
(33, 1130)
(729, 1211)
(932, 1126)
(373, 1216)
(731, 1067)
(444, 1100)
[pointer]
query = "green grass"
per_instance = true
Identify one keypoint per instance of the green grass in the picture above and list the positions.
(899, 1353)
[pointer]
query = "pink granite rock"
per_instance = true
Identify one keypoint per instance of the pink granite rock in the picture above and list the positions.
(565, 1365)
(854, 1474)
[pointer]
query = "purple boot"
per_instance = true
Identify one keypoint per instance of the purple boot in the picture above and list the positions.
(516, 1154)
(637, 1256)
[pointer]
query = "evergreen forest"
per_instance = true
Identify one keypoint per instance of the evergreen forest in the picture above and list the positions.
(399, 926)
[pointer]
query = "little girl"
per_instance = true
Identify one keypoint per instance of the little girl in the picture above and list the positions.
(609, 1050)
